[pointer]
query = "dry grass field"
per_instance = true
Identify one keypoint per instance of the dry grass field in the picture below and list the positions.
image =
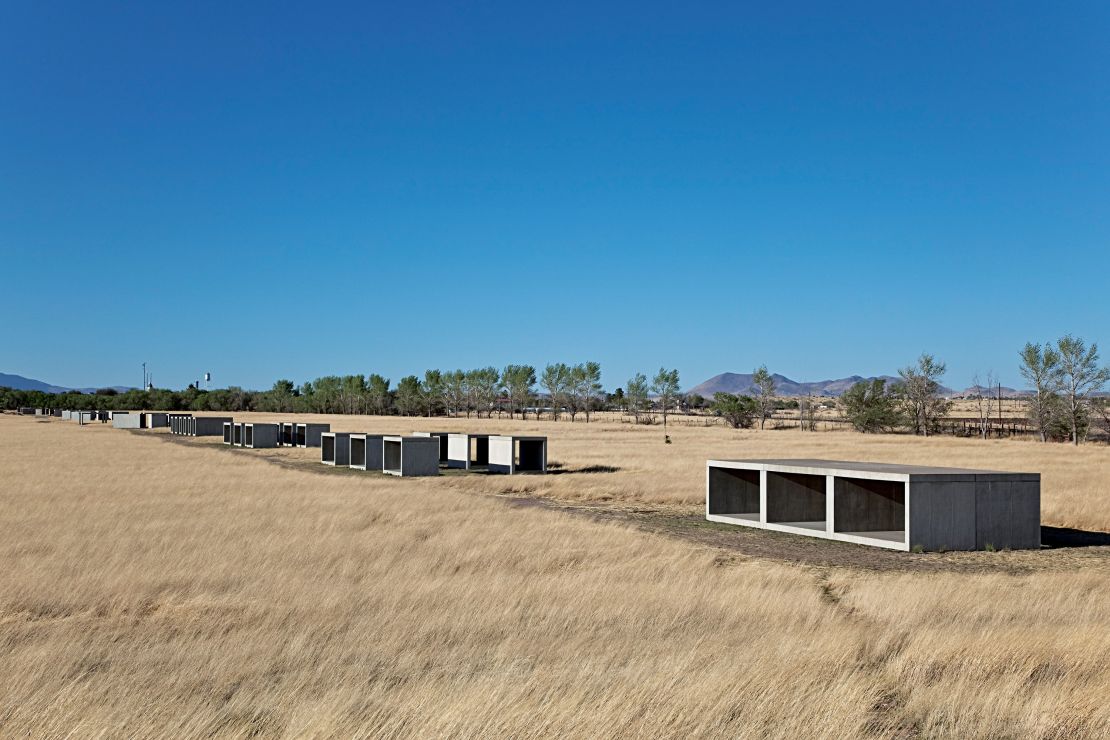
(160, 587)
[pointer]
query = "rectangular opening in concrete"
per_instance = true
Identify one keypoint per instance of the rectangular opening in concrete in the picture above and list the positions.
(248, 435)
(391, 456)
(796, 500)
(358, 451)
(479, 451)
(870, 508)
(227, 433)
(532, 457)
(327, 449)
(302, 436)
(237, 439)
(734, 492)
(287, 434)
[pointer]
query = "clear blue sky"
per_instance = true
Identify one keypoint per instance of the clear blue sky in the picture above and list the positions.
(291, 190)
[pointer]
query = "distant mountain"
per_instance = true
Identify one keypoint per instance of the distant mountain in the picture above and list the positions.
(20, 383)
(741, 383)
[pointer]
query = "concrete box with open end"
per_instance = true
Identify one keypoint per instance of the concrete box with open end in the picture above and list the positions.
(364, 451)
(236, 434)
(260, 436)
(899, 507)
(514, 454)
(410, 456)
(335, 448)
(229, 433)
(308, 435)
(468, 451)
(442, 437)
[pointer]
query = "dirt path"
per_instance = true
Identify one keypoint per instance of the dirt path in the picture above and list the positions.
(1062, 550)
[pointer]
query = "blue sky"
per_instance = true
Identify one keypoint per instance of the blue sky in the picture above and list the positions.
(291, 190)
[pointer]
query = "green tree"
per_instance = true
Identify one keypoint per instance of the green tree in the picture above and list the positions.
(377, 393)
(1040, 367)
(455, 390)
(765, 384)
(666, 387)
(554, 380)
(485, 384)
(410, 396)
(1077, 377)
(637, 395)
(919, 391)
(869, 407)
(433, 388)
(519, 382)
(738, 411)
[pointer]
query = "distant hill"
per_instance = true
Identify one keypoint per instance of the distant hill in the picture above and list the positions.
(741, 383)
(1006, 392)
(20, 383)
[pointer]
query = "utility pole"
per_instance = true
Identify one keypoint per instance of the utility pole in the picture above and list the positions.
(144, 377)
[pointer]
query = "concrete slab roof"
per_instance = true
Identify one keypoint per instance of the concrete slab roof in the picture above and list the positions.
(876, 467)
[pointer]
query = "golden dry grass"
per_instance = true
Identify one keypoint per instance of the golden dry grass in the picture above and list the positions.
(157, 589)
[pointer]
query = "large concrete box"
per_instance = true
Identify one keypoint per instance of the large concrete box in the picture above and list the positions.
(229, 433)
(237, 434)
(899, 507)
(364, 451)
(207, 426)
(335, 448)
(127, 421)
(442, 437)
(410, 456)
(260, 436)
(308, 435)
(154, 420)
(468, 451)
(514, 454)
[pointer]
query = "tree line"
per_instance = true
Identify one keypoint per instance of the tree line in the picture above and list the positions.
(1066, 379)
(558, 390)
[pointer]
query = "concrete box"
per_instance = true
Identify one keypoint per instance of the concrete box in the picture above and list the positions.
(177, 423)
(468, 451)
(127, 421)
(410, 456)
(154, 421)
(364, 451)
(335, 448)
(26, 411)
(237, 434)
(308, 435)
(260, 436)
(514, 454)
(442, 436)
(229, 433)
(206, 426)
(899, 507)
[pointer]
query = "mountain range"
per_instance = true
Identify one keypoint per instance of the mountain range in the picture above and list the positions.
(20, 383)
(741, 384)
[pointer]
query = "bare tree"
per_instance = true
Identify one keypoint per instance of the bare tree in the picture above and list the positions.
(1079, 376)
(807, 414)
(765, 383)
(984, 402)
(587, 379)
(919, 390)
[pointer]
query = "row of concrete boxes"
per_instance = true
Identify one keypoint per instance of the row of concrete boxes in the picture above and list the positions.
(419, 454)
